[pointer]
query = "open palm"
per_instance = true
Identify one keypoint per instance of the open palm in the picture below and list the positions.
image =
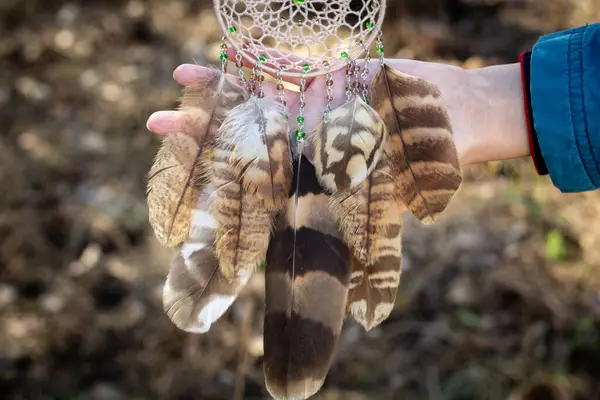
(165, 122)
(472, 121)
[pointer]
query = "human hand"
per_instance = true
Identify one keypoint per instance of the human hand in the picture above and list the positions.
(485, 105)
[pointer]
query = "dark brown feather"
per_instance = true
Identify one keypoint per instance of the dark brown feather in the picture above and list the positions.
(307, 277)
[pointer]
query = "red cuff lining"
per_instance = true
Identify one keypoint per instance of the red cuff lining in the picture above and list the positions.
(527, 116)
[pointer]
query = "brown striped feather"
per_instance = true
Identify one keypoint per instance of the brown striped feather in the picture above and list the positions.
(250, 171)
(255, 139)
(243, 226)
(307, 277)
(175, 177)
(364, 213)
(372, 227)
(420, 146)
(347, 145)
(196, 292)
(374, 284)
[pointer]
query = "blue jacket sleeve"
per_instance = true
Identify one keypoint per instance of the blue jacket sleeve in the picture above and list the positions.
(565, 99)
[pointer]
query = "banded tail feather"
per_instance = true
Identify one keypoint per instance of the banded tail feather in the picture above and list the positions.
(307, 277)
(255, 139)
(346, 147)
(175, 178)
(372, 226)
(420, 147)
(196, 292)
(242, 225)
(374, 284)
(368, 216)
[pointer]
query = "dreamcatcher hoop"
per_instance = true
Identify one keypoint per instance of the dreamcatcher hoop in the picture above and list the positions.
(300, 37)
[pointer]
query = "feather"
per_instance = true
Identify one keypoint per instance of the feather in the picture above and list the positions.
(372, 226)
(243, 226)
(373, 289)
(196, 292)
(375, 279)
(420, 146)
(368, 215)
(175, 178)
(255, 138)
(250, 177)
(307, 278)
(346, 146)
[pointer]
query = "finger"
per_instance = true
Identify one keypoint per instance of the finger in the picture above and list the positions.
(165, 122)
(191, 74)
(290, 97)
(273, 54)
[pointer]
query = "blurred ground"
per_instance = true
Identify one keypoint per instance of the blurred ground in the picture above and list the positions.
(501, 300)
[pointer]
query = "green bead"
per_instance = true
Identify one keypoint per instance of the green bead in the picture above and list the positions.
(306, 68)
(300, 120)
(262, 58)
(223, 56)
(379, 50)
(300, 134)
(367, 102)
(232, 29)
(300, 1)
(369, 25)
(344, 55)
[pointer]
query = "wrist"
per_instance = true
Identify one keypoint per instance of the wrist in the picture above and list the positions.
(497, 114)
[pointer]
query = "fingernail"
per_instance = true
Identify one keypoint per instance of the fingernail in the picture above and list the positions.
(162, 121)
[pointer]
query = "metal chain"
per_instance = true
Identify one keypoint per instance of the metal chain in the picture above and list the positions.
(300, 133)
(379, 46)
(329, 97)
(365, 74)
(259, 78)
(349, 80)
(280, 92)
(223, 54)
(253, 81)
(239, 64)
(356, 83)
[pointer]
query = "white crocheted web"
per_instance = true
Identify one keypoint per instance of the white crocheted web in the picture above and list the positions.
(295, 33)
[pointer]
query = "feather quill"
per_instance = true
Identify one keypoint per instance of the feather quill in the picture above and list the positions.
(420, 147)
(251, 174)
(347, 145)
(307, 277)
(196, 292)
(175, 178)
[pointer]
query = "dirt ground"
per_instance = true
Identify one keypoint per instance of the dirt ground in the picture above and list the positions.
(500, 300)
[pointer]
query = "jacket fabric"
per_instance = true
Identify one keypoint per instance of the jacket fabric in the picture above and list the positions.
(564, 86)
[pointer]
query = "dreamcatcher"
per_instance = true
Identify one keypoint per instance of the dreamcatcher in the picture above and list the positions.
(246, 186)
